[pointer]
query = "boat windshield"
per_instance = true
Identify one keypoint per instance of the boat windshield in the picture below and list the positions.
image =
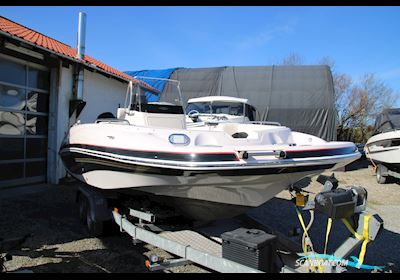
(201, 107)
(216, 107)
(151, 96)
(388, 120)
(229, 108)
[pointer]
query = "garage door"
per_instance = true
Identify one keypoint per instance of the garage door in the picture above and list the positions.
(24, 108)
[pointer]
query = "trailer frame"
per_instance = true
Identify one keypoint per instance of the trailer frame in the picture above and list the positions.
(146, 230)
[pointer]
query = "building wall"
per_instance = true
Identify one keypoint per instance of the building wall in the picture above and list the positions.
(64, 92)
(102, 94)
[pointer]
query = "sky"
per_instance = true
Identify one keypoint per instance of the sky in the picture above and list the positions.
(358, 39)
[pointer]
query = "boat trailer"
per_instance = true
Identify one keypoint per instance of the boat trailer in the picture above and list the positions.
(238, 251)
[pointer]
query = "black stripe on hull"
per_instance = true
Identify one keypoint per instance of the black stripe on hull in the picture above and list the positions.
(195, 157)
(320, 153)
(198, 157)
(79, 163)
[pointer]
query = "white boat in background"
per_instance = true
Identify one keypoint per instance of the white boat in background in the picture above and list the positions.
(383, 148)
(207, 170)
(219, 109)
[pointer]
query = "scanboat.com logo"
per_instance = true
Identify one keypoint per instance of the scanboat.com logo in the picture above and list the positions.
(330, 260)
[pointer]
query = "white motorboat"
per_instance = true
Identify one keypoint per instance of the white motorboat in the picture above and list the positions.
(149, 149)
(383, 148)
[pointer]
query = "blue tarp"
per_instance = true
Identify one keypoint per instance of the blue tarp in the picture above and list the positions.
(161, 73)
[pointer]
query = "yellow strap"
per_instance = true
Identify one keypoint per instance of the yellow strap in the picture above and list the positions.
(328, 230)
(366, 225)
(321, 269)
(365, 242)
(362, 253)
(365, 237)
(301, 221)
(347, 224)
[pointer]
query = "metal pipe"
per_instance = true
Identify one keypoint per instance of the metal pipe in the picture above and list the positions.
(81, 35)
(79, 84)
(80, 54)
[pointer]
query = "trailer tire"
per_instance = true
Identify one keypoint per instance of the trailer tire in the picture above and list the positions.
(83, 208)
(380, 178)
(95, 228)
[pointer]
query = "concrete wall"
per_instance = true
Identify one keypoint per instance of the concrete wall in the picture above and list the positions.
(65, 84)
(102, 94)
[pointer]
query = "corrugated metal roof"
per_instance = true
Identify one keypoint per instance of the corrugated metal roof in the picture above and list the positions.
(38, 39)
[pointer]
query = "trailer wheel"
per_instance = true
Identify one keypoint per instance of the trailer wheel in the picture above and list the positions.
(95, 228)
(83, 206)
(379, 177)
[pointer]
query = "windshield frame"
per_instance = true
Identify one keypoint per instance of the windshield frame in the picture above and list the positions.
(212, 109)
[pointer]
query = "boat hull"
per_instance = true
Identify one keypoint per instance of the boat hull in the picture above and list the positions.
(238, 186)
(384, 149)
(208, 176)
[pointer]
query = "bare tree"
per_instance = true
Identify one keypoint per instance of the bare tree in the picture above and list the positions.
(380, 95)
(326, 60)
(342, 85)
(292, 59)
(360, 105)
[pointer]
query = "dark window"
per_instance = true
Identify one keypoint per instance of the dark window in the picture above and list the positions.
(37, 102)
(36, 125)
(395, 142)
(12, 97)
(12, 123)
(11, 148)
(37, 168)
(12, 72)
(38, 78)
(11, 171)
(23, 121)
(36, 148)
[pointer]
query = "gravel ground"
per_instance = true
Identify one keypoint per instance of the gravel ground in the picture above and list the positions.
(59, 243)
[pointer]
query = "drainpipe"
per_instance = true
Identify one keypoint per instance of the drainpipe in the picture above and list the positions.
(81, 36)
(80, 53)
(77, 104)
